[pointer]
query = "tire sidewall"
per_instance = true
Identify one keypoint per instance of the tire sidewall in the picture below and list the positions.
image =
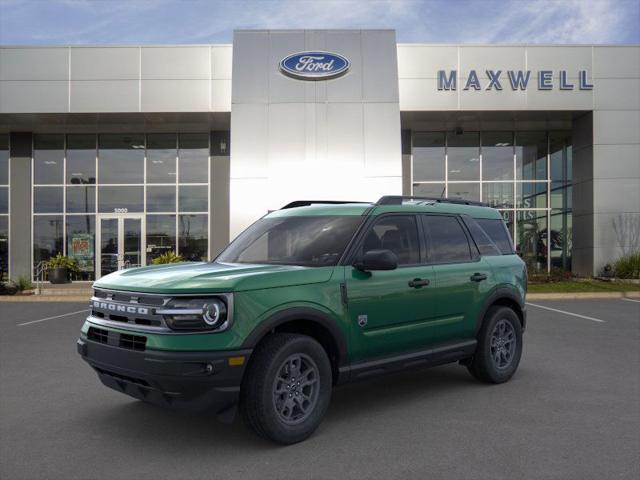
(281, 431)
(495, 374)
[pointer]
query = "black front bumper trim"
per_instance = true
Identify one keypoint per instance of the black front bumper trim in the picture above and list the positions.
(196, 381)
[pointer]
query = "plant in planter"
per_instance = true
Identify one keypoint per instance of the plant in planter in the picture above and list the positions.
(169, 257)
(59, 268)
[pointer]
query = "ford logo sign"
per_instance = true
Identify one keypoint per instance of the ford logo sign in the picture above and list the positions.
(314, 65)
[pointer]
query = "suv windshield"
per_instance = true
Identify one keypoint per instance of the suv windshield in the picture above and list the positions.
(313, 241)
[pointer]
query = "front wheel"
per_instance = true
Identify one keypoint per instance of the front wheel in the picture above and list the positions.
(499, 346)
(287, 388)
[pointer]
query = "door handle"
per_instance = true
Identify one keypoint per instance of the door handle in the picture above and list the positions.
(418, 282)
(478, 277)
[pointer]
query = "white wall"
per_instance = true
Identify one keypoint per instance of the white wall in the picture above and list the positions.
(295, 139)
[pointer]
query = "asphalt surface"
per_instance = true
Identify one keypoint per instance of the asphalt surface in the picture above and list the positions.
(571, 412)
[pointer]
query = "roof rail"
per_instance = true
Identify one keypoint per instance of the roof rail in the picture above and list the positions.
(306, 203)
(398, 199)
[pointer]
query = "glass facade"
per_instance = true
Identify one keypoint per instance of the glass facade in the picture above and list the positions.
(4, 206)
(117, 200)
(526, 175)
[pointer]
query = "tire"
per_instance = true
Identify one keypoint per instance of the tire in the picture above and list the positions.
(499, 346)
(274, 406)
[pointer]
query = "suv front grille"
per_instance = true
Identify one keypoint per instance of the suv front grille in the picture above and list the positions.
(122, 340)
(133, 342)
(98, 335)
(129, 308)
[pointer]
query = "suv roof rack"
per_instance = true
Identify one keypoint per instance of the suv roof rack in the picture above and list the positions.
(398, 199)
(306, 203)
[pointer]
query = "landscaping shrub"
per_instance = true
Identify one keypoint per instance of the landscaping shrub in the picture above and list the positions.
(169, 257)
(628, 266)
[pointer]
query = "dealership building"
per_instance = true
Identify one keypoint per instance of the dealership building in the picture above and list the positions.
(114, 155)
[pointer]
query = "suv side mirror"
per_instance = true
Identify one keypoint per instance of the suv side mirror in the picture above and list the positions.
(377, 260)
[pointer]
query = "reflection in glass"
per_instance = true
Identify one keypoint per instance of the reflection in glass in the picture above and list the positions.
(161, 158)
(497, 156)
(193, 157)
(531, 156)
(81, 199)
(508, 216)
(81, 159)
(47, 237)
(48, 159)
(531, 195)
(4, 159)
(81, 245)
(466, 191)
(532, 238)
(47, 199)
(4, 247)
(161, 235)
(435, 190)
(428, 157)
(498, 195)
(560, 154)
(112, 198)
(4, 199)
(463, 156)
(121, 158)
(561, 239)
(109, 250)
(132, 255)
(561, 195)
(161, 199)
(193, 198)
(193, 237)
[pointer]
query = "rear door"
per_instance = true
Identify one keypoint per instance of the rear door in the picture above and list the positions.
(462, 277)
(389, 311)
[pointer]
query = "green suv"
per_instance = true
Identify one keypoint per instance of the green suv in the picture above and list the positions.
(308, 297)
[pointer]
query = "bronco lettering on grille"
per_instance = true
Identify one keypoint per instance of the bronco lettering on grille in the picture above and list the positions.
(116, 307)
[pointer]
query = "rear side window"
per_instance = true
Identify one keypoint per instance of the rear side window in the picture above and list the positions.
(498, 233)
(447, 240)
(398, 234)
(483, 242)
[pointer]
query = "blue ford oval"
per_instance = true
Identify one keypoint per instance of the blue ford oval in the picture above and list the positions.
(314, 65)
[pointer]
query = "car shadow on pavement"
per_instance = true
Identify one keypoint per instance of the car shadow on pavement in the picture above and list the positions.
(368, 398)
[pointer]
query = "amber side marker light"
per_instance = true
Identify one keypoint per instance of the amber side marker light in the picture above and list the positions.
(236, 361)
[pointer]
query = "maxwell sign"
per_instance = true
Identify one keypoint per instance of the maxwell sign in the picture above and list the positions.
(516, 79)
(314, 65)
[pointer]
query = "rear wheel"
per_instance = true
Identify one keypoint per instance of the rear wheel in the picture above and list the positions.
(287, 388)
(499, 346)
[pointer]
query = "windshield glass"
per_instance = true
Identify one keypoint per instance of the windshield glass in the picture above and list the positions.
(314, 241)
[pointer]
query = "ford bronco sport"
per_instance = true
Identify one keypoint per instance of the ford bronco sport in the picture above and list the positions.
(308, 297)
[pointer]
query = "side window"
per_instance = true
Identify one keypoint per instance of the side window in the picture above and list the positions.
(396, 233)
(497, 232)
(482, 240)
(448, 242)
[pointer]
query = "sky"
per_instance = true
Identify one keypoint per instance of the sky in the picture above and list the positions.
(119, 22)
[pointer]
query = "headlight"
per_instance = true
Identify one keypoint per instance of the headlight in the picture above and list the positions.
(195, 314)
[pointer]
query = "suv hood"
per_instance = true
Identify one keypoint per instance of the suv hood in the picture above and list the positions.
(205, 277)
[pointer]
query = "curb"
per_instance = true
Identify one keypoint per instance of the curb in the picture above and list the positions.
(581, 295)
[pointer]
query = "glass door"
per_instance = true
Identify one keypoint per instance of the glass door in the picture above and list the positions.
(120, 240)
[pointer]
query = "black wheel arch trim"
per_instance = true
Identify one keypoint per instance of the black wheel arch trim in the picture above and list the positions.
(498, 294)
(300, 314)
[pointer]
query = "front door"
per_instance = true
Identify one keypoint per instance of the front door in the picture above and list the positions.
(391, 311)
(120, 240)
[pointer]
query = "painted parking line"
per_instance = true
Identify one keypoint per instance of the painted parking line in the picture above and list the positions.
(566, 313)
(52, 318)
(630, 300)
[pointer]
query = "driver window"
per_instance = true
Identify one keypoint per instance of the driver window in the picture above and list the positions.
(396, 233)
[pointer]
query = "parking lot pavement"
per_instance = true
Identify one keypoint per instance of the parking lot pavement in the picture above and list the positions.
(571, 411)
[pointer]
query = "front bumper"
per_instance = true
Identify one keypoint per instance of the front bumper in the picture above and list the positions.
(195, 381)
